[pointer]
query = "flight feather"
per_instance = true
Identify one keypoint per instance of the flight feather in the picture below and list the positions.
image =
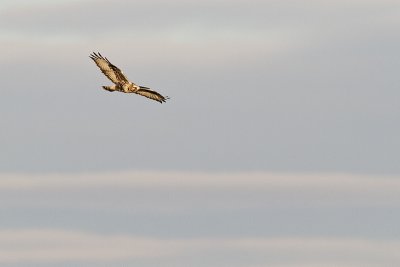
(109, 70)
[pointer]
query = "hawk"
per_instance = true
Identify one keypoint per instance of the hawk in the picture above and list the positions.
(122, 84)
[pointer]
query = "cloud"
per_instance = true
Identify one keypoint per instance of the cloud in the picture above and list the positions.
(37, 246)
(238, 33)
(149, 179)
(177, 192)
(199, 219)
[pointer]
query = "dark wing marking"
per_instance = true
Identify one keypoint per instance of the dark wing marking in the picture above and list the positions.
(112, 72)
(144, 91)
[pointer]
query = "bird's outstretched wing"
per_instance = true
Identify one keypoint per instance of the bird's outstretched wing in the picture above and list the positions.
(144, 91)
(112, 72)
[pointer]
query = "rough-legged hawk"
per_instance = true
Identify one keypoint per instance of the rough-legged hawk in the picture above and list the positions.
(121, 82)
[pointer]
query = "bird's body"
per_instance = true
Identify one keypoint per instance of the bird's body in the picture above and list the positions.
(121, 83)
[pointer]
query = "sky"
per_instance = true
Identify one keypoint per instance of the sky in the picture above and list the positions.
(278, 147)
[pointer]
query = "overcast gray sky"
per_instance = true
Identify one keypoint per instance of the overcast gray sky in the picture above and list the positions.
(279, 145)
(254, 85)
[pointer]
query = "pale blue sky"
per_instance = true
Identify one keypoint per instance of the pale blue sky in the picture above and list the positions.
(281, 135)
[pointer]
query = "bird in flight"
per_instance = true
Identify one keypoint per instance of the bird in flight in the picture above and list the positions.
(122, 84)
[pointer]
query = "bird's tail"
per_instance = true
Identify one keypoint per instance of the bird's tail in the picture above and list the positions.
(109, 88)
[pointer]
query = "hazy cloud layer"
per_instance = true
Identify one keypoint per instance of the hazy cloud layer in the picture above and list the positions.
(199, 219)
(186, 180)
(33, 247)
